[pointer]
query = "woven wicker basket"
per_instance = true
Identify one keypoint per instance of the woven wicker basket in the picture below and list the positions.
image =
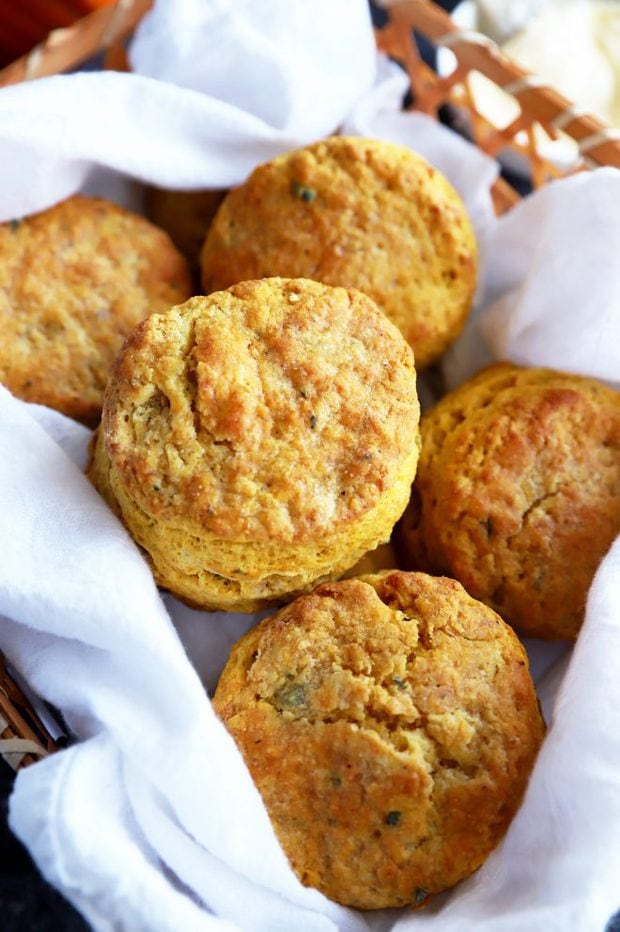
(23, 738)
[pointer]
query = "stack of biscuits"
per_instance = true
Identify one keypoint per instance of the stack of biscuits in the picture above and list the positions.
(260, 440)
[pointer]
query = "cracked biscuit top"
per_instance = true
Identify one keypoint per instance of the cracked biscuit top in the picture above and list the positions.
(390, 724)
(518, 493)
(74, 280)
(277, 410)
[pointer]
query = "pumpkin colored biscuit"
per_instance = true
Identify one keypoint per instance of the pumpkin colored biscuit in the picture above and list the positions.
(259, 439)
(74, 280)
(390, 724)
(358, 213)
(185, 215)
(518, 493)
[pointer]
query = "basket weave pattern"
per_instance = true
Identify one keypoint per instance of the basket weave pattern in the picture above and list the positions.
(539, 105)
(23, 738)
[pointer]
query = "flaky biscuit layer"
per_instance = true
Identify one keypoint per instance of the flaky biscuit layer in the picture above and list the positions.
(260, 439)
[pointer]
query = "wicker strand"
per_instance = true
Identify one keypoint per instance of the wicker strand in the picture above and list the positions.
(597, 139)
(458, 36)
(20, 746)
(514, 88)
(539, 102)
(67, 48)
(115, 24)
(563, 119)
(23, 737)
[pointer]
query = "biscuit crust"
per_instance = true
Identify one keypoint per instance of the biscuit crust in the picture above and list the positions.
(74, 280)
(260, 438)
(185, 215)
(390, 724)
(518, 493)
(358, 213)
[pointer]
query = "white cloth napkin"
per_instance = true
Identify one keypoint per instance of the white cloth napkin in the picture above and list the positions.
(255, 80)
(151, 821)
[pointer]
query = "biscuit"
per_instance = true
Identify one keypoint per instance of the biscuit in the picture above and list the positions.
(259, 439)
(382, 557)
(518, 493)
(358, 213)
(74, 280)
(390, 724)
(185, 216)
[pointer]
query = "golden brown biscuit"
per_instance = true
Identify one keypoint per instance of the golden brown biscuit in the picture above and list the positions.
(390, 724)
(74, 280)
(259, 439)
(185, 215)
(518, 493)
(381, 558)
(361, 214)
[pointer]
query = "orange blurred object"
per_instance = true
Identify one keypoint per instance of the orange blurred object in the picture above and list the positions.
(26, 23)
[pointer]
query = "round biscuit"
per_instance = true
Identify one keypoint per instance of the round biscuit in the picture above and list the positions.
(74, 280)
(362, 214)
(390, 724)
(518, 493)
(259, 439)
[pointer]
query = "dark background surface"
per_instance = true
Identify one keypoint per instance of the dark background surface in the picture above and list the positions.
(27, 902)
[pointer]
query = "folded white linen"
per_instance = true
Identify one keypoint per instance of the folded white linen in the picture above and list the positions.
(554, 265)
(253, 80)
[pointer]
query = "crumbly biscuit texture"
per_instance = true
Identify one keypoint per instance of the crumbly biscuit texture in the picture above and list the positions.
(518, 493)
(390, 724)
(259, 439)
(359, 213)
(74, 280)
